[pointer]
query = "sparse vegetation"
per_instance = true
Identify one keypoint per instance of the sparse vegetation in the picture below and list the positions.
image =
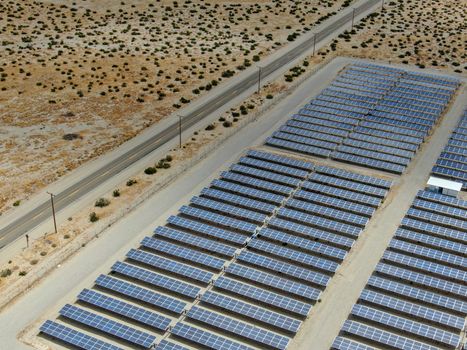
(102, 202)
(93, 217)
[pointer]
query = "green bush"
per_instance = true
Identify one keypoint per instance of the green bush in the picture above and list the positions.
(93, 217)
(102, 202)
(5, 273)
(17, 203)
(269, 96)
(131, 182)
(150, 170)
(116, 193)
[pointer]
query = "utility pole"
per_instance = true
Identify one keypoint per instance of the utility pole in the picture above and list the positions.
(180, 131)
(353, 16)
(259, 79)
(27, 240)
(314, 44)
(53, 210)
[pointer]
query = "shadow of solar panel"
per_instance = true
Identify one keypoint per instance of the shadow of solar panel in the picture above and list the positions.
(141, 294)
(73, 337)
(108, 326)
(124, 309)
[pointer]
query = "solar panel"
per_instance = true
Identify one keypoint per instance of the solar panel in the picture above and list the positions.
(382, 141)
(227, 324)
(341, 193)
(305, 140)
(435, 230)
(73, 337)
(335, 203)
(263, 296)
(256, 183)
(436, 218)
(183, 253)
(378, 155)
(207, 230)
(417, 294)
(370, 163)
(156, 279)
(124, 309)
(233, 199)
(141, 294)
(345, 101)
(405, 325)
(248, 191)
(394, 130)
(331, 105)
(325, 115)
(412, 309)
(338, 126)
(205, 339)
(271, 157)
(334, 214)
(219, 219)
(170, 266)
(382, 337)
(441, 209)
(283, 268)
(316, 234)
(298, 147)
(276, 168)
(422, 279)
(316, 135)
(316, 128)
(341, 343)
(273, 281)
(228, 209)
(425, 266)
(365, 179)
(443, 199)
(194, 241)
(303, 244)
(253, 312)
(318, 221)
(431, 254)
(108, 326)
(368, 146)
(166, 345)
(389, 135)
(263, 174)
(348, 184)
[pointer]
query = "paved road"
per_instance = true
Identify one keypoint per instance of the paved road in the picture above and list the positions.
(42, 212)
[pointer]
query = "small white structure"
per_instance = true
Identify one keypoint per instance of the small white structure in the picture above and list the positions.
(443, 186)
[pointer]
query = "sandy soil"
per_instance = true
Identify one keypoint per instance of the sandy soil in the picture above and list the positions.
(101, 71)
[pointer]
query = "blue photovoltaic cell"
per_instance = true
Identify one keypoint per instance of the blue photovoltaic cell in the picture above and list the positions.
(263, 296)
(257, 183)
(341, 193)
(412, 309)
(383, 141)
(305, 140)
(317, 135)
(369, 180)
(294, 146)
(336, 106)
(441, 198)
(317, 128)
(141, 294)
(313, 233)
(373, 154)
(334, 214)
(207, 230)
(436, 218)
(348, 184)
(251, 311)
(195, 241)
(73, 337)
(206, 339)
(227, 324)
(166, 345)
(370, 163)
(229, 209)
(124, 309)
(345, 101)
(422, 279)
(187, 254)
(335, 203)
(360, 88)
(338, 126)
(234, 199)
(247, 191)
(389, 135)
(417, 294)
(277, 168)
(270, 280)
(284, 268)
(264, 174)
(341, 343)
(394, 130)
(382, 337)
(271, 157)
(379, 148)
(156, 279)
(218, 219)
(405, 325)
(316, 220)
(440, 208)
(303, 243)
(170, 266)
(108, 326)
(436, 230)
(345, 121)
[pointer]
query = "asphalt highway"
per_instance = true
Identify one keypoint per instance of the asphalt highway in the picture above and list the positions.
(42, 212)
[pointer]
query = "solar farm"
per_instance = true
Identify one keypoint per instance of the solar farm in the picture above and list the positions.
(245, 261)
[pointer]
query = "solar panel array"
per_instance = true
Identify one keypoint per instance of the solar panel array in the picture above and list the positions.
(452, 162)
(240, 267)
(373, 117)
(417, 295)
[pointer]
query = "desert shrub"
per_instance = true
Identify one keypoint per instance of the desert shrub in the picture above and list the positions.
(5, 273)
(93, 217)
(210, 127)
(102, 202)
(150, 170)
(16, 203)
(131, 182)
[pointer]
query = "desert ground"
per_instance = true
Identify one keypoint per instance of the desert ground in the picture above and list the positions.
(79, 78)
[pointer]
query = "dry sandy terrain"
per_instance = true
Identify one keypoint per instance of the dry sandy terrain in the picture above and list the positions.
(101, 71)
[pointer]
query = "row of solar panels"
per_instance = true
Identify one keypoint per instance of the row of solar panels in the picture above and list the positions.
(368, 116)
(417, 296)
(452, 163)
(240, 267)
